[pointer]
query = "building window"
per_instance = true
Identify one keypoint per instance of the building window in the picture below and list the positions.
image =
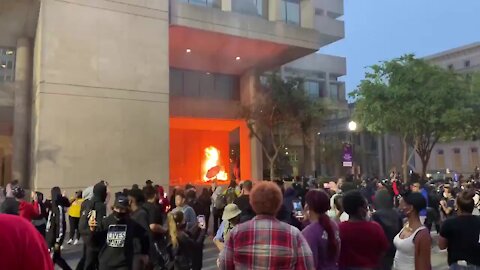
(457, 159)
(312, 88)
(189, 83)
(333, 91)
(249, 7)
(319, 12)
(474, 159)
(440, 160)
(203, 3)
(7, 65)
(291, 11)
(467, 63)
(450, 67)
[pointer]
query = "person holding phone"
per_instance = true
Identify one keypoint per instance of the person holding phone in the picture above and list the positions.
(124, 239)
(187, 247)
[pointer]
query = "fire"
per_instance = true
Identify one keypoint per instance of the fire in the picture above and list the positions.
(212, 159)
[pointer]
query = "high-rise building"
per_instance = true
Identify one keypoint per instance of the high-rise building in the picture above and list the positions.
(459, 155)
(131, 90)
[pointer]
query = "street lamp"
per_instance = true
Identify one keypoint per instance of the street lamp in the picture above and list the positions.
(352, 125)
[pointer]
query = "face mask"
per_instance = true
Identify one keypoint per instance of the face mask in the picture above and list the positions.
(119, 215)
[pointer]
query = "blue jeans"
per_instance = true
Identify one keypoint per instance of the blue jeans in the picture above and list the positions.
(456, 266)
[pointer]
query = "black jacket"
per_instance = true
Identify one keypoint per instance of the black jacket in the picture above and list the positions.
(9, 206)
(56, 225)
(190, 247)
(121, 245)
(97, 203)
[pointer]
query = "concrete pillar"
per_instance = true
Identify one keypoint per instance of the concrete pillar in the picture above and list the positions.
(248, 85)
(274, 10)
(327, 85)
(307, 14)
(21, 117)
(226, 5)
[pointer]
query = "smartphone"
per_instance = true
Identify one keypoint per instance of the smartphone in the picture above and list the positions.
(93, 215)
(297, 208)
(201, 221)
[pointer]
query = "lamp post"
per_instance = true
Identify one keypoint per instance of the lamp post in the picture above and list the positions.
(352, 127)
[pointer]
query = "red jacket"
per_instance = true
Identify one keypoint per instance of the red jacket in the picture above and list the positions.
(29, 210)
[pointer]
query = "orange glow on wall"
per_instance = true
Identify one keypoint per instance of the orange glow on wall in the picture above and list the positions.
(212, 162)
(190, 137)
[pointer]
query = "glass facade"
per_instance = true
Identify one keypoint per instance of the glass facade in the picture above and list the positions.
(203, 3)
(312, 88)
(7, 65)
(190, 83)
(249, 7)
(291, 11)
(333, 89)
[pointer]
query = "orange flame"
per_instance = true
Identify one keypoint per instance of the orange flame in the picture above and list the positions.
(212, 159)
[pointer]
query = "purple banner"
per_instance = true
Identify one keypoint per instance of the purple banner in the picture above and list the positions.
(347, 157)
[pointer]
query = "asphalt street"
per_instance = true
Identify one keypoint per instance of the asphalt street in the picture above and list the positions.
(210, 253)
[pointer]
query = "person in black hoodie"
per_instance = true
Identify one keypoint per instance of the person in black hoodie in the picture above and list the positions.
(391, 223)
(91, 248)
(56, 227)
(123, 238)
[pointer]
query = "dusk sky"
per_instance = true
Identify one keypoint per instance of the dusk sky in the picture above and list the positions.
(379, 30)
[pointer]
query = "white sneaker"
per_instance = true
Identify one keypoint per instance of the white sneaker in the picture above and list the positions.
(76, 242)
(70, 242)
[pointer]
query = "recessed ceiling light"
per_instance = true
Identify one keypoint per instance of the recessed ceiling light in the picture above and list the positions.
(188, 50)
(237, 58)
(4, 66)
(9, 52)
(208, 73)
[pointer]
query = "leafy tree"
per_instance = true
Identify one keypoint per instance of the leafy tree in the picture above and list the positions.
(420, 102)
(311, 114)
(279, 111)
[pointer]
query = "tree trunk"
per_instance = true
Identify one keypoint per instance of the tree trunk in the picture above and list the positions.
(309, 164)
(425, 159)
(272, 169)
(306, 155)
(405, 159)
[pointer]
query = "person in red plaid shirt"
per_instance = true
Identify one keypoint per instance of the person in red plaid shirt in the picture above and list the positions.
(265, 242)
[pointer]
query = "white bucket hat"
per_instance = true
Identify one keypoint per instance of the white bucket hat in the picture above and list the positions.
(231, 211)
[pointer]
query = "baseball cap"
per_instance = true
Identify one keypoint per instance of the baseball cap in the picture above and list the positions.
(121, 202)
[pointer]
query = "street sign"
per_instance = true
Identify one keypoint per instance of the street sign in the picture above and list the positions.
(347, 157)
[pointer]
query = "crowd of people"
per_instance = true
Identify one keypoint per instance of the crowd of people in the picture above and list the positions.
(344, 224)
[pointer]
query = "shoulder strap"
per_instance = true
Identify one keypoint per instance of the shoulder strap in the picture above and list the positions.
(417, 231)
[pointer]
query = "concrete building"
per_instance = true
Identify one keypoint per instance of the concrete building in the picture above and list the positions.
(459, 156)
(130, 90)
(322, 80)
